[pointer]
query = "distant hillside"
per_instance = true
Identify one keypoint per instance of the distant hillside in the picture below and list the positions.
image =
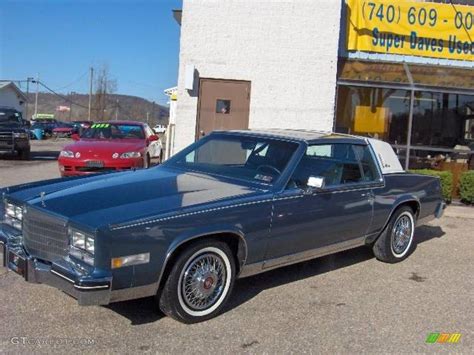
(129, 108)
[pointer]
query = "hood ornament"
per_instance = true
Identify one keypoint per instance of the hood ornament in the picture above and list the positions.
(42, 194)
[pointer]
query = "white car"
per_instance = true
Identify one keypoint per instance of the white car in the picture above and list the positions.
(159, 128)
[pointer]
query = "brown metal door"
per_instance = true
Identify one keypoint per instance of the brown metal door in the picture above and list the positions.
(223, 105)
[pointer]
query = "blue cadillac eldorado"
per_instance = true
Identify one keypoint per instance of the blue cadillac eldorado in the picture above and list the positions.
(231, 205)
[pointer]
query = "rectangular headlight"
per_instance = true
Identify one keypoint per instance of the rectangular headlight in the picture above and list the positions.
(78, 239)
(13, 215)
(10, 209)
(82, 246)
(90, 245)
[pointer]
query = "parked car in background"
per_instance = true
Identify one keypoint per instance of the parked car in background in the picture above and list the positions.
(231, 205)
(65, 129)
(14, 133)
(159, 128)
(110, 146)
(83, 124)
(47, 125)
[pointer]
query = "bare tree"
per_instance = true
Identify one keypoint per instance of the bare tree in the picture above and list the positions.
(103, 110)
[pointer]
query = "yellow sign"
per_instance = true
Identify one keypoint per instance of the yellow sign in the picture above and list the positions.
(407, 27)
(370, 119)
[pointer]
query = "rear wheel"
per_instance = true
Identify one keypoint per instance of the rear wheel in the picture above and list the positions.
(200, 282)
(396, 240)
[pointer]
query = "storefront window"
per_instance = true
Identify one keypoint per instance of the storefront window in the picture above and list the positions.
(375, 112)
(443, 129)
(375, 99)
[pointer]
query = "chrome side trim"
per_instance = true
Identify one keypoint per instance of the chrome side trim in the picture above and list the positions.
(62, 276)
(256, 268)
(134, 292)
(91, 287)
(79, 287)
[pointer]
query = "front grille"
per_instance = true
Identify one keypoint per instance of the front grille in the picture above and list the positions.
(6, 138)
(44, 236)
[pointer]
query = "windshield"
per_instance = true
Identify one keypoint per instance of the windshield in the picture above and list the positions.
(253, 159)
(9, 116)
(114, 131)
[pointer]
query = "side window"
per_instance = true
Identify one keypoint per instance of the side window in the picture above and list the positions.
(337, 163)
(368, 165)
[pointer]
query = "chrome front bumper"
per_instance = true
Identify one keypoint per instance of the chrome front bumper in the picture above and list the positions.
(89, 288)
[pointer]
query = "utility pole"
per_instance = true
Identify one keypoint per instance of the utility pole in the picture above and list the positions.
(116, 110)
(27, 95)
(147, 116)
(36, 97)
(70, 107)
(91, 77)
(153, 112)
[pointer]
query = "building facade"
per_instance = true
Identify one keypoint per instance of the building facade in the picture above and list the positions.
(11, 96)
(398, 70)
(279, 56)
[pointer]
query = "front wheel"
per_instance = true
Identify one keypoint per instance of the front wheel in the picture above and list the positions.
(396, 240)
(200, 282)
(24, 154)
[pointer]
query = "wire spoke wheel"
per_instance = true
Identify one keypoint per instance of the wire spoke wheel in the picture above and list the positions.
(402, 234)
(203, 281)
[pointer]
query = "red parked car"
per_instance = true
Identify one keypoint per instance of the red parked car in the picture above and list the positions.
(110, 146)
(63, 129)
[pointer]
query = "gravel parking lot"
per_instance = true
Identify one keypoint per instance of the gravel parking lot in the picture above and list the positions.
(343, 303)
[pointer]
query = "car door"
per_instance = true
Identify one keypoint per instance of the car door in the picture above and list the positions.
(333, 218)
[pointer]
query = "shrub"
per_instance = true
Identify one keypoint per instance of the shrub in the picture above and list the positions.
(466, 186)
(446, 178)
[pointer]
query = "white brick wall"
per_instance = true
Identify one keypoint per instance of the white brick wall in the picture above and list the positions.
(287, 49)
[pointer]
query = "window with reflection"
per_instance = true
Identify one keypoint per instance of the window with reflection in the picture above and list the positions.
(373, 112)
(443, 129)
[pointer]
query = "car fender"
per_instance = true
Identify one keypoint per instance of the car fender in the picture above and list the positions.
(201, 233)
(396, 204)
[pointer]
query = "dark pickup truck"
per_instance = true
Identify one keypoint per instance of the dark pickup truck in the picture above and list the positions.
(14, 133)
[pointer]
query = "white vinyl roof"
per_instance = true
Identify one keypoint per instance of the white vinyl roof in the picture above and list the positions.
(386, 157)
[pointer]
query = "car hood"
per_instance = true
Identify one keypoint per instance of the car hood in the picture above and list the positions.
(123, 197)
(106, 145)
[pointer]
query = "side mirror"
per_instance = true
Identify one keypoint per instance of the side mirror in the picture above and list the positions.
(75, 137)
(315, 183)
